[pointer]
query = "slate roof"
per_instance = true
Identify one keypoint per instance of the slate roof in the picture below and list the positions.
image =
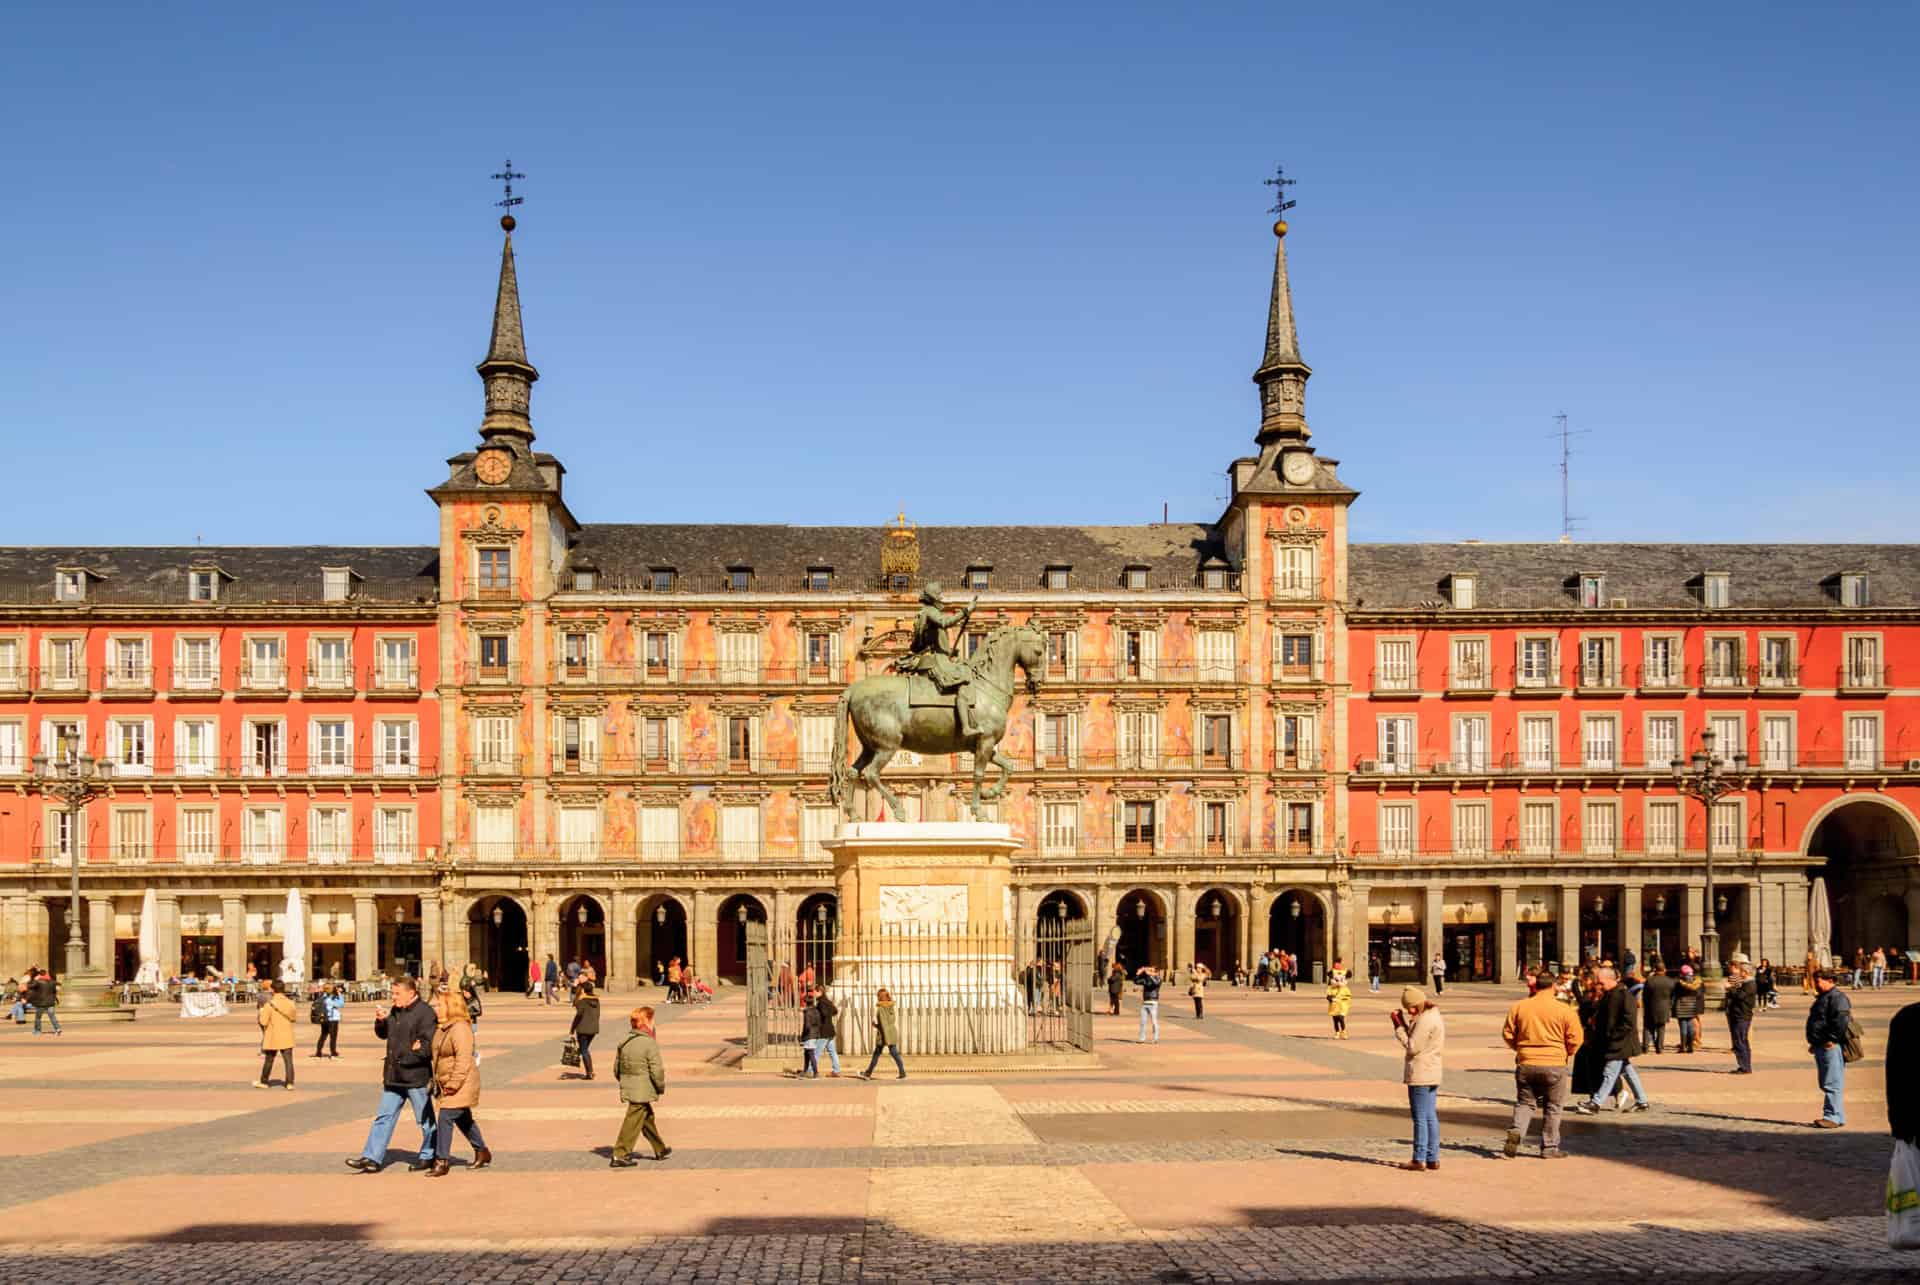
(1545, 577)
(258, 575)
(625, 554)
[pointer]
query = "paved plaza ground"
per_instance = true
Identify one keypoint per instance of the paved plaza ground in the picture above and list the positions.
(1249, 1146)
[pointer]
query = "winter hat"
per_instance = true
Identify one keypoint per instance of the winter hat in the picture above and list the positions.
(1686, 970)
(1412, 997)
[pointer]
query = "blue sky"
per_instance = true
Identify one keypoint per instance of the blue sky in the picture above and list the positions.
(994, 262)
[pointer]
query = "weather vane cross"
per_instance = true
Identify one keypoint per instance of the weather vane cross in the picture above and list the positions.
(507, 176)
(1280, 183)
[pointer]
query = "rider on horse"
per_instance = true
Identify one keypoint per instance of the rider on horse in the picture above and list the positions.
(929, 653)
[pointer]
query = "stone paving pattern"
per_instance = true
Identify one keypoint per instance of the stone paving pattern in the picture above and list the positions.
(1248, 1147)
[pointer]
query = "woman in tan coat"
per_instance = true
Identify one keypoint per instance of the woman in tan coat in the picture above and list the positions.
(276, 1034)
(1424, 1036)
(456, 1081)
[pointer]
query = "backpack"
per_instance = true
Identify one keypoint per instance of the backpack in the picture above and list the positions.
(1852, 1044)
(317, 1014)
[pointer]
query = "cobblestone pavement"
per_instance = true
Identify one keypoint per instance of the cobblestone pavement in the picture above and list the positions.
(1246, 1147)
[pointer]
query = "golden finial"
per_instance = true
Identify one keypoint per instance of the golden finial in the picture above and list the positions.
(1280, 183)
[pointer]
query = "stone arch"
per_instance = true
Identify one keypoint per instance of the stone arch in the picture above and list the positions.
(1864, 847)
(584, 936)
(1308, 934)
(1140, 925)
(500, 939)
(730, 929)
(663, 932)
(1217, 934)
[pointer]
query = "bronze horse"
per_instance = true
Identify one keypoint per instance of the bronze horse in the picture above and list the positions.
(887, 721)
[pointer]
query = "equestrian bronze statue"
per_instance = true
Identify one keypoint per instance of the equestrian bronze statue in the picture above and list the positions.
(936, 703)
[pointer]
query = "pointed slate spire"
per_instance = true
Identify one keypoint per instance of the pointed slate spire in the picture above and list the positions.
(505, 371)
(1282, 375)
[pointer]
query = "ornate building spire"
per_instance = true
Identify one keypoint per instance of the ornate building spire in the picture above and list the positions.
(507, 374)
(1282, 375)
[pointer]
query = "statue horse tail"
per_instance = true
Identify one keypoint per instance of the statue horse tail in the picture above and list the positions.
(837, 774)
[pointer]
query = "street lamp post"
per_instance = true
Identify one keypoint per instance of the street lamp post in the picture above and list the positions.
(1708, 779)
(74, 780)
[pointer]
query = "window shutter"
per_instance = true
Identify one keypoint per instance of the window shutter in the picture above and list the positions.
(1073, 653)
(1039, 739)
(673, 743)
(1150, 739)
(1159, 830)
(753, 749)
(1149, 653)
(1231, 828)
(590, 744)
(557, 745)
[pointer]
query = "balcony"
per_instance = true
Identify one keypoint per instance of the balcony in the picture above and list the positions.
(329, 678)
(61, 681)
(1295, 672)
(1470, 680)
(491, 675)
(490, 588)
(1865, 678)
(1721, 676)
(1779, 676)
(129, 680)
(1661, 678)
(486, 764)
(189, 682)
(263, 678)
(1539, 680)
(394, 681)
(1601, 676)
(1394, 680)
(15, 682)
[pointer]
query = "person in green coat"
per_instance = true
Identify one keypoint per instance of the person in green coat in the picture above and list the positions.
(643, 1081)
(886, 1034)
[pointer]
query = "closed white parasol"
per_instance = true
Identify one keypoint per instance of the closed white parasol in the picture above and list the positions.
(149, 974)
(293, 939)
(1820, 923)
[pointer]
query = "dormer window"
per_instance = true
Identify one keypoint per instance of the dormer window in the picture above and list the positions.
(978, 578)
(1593, 591)
(203, 586)
(70, 586)
(660, 579)
(739, 579)
(1466, 591)
(1716, 588)
(1134, 577)
(1056, 577)
(336, 584)
(1213, 578)
(819, 579)
(1853, 589)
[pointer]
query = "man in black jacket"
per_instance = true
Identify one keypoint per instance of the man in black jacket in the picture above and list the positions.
(1742, 997)
(1826, 1032)
(44, 994)
(1656, 1005)
(1616, 1024)
(406, 1076)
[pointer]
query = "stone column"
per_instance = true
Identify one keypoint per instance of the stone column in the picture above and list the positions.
(1250, 928)
(1179, 928)
(1631, 897)
(1506, 935)
(623, 941)
(454, 932)
(1694, 921)
(433, 947)
(704, 937)
(1357, 939)
(1431, 937)
(167, 911)
(100, 936)
(366, 934)
(1746, 928)
(233, 935)
(15, 958)
(543, 924)
(1566, 929)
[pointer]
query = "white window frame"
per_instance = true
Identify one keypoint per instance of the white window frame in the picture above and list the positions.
(123, 676)
(269, 674)
(1768, 676)
(1398, 826)
(1306, 752)
(488, 846)
(1785, 758)
(590, 662)
(1396, 664)
(1060, 827)
(325, 760)
(1600, 827)
(816, 742)
(1527, 674)
(13, 665)
(1472, 735)
(735, 844)
(1296, 573)
(69, 674)
(1470, 662)
(396, 746)
(1726, 745)
(1864, 657)
(207, 761)
(1533, 756)
(1532, 841)
(1861, 753)
(1398, 742)
(14, 754)
(1855, 589)
(203, 585)
(1472, 827)
(1600, 742)
(69, 586)
(1603, 672)
(1728, 817)
(250, 764)
(1716, 671)
(329, 834)
(326, 674)
(494, 738)
(130, 746)
(654, 818)
(1673, 673)
(579, 827)
(1216, 652)
(740, 657)
(396, 662)
(395, 834)
(1137, 739)
(1716, 590)
(263, 834)
(1464, 588)
(818, 823)
(1649, 743)
(132, 833)
(189, 677)
(336, 584)
(198, 831)
(1674, 840)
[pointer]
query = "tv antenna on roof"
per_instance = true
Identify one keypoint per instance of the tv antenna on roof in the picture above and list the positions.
(1566, 435)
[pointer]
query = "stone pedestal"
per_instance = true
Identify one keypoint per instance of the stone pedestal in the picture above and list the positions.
(926, 911)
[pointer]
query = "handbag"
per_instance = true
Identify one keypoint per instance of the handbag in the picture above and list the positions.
(570, 1052)
(1903, 1196)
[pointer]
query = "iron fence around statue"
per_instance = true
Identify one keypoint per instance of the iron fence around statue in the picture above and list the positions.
(957, 989)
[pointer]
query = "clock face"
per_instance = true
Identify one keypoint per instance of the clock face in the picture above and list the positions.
(493, 467)
(1297, 467)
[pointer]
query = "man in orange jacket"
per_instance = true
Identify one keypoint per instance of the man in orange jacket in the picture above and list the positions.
(1544, 1035)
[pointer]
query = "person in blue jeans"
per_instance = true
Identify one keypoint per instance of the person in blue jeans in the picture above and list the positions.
(1149, 982)
(44, 995)
(1424, 1037)
(1826, 1036)
(1617, 1023)
(406, 1077)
